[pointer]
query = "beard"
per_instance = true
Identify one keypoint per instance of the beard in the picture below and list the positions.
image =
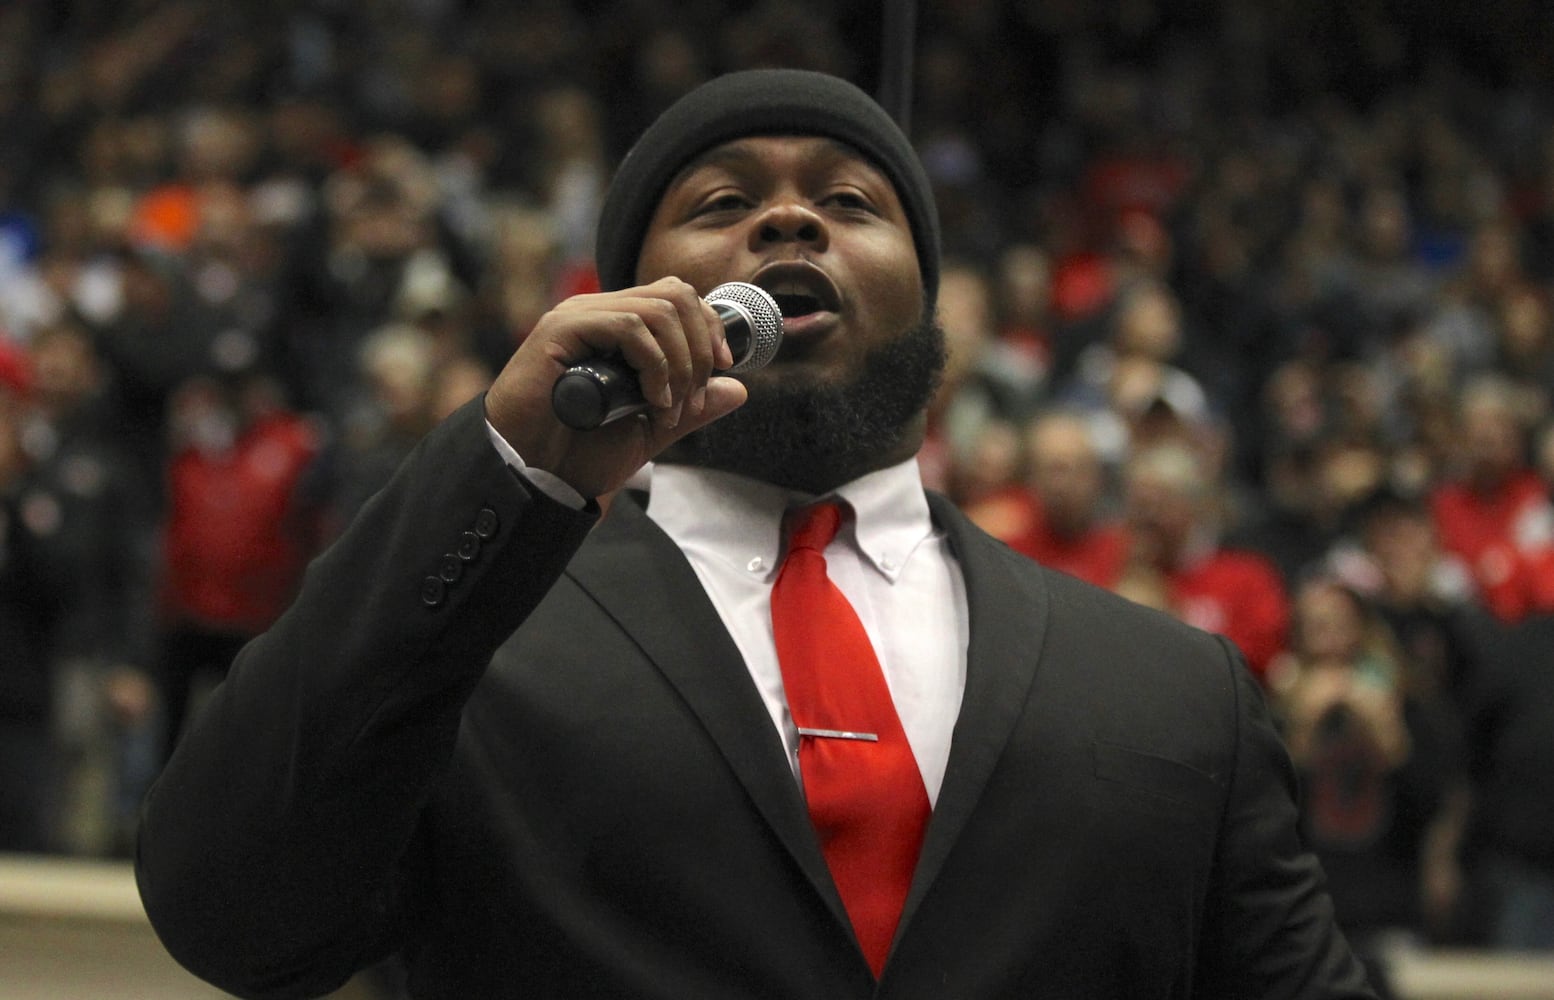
(815, 435)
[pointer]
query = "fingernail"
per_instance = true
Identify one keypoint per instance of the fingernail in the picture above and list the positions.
(699, 400)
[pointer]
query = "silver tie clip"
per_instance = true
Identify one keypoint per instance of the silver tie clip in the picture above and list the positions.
(839, 734)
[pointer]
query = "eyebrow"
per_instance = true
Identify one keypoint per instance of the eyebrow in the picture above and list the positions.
(734, 153)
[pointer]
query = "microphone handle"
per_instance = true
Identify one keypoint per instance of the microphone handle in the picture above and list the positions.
(593, 393)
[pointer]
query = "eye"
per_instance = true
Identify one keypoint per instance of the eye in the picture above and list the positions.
(723, 201)
(850, 200)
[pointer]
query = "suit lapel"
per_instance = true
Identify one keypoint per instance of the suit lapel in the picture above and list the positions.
(1008, 618)
(640, 579)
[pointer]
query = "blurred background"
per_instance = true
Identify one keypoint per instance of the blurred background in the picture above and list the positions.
(1249, 306)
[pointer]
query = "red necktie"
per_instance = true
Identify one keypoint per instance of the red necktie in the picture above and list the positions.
(863, 786)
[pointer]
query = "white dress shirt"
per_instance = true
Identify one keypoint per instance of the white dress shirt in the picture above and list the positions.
(888, 559)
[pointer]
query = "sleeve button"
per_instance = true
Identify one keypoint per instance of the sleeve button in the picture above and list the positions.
(433, 591)
(450, 568)
(487, 523)
(469, 546)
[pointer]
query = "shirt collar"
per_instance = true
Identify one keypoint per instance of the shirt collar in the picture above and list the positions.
(738, 520)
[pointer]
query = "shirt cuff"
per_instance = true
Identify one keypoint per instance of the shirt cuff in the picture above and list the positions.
(547, 483)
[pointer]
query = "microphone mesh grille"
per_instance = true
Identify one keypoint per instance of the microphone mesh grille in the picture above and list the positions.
(765, 321)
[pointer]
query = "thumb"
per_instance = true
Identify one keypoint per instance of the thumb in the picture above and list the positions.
(724, 396)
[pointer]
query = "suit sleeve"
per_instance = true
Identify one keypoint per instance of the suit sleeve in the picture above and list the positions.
(275, 849)
(1269, 930)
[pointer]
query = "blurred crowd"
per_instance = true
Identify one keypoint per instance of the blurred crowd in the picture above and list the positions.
(1249, 309)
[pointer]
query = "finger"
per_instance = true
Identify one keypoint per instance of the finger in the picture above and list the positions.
(666, 314)
(724, 395)
(703, 333)
(723, 355)
(623, 331)
(648, 333)
(715, 354)
(703, 330)
(664, 331)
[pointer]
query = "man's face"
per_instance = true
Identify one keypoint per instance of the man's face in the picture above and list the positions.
(810, 221)
(1066, 473)
(1405, 548)
(1160, 516)
(1492, 442)
(823, 230)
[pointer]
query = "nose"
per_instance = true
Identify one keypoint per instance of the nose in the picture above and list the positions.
(790, 221)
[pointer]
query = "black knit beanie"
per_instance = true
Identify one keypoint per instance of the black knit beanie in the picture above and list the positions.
(759, 102)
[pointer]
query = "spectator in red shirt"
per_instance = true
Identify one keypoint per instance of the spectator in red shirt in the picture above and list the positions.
(988, 483)
(1173, 534)
(1070, 530)
(1496, 515)
(236, 538)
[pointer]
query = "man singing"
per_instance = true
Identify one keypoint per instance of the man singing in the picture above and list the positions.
(794, 729)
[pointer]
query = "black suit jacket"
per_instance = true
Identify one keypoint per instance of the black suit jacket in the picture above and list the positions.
(528, 756)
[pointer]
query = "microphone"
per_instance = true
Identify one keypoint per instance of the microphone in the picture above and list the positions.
(595, 392)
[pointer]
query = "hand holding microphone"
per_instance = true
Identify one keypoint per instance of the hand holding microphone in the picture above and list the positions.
(596, 392)
(659, 349)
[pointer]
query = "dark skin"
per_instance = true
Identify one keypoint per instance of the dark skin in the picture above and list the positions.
(805, 217)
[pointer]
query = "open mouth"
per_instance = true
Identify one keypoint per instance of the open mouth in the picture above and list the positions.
(799, 288)
(795, 304)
